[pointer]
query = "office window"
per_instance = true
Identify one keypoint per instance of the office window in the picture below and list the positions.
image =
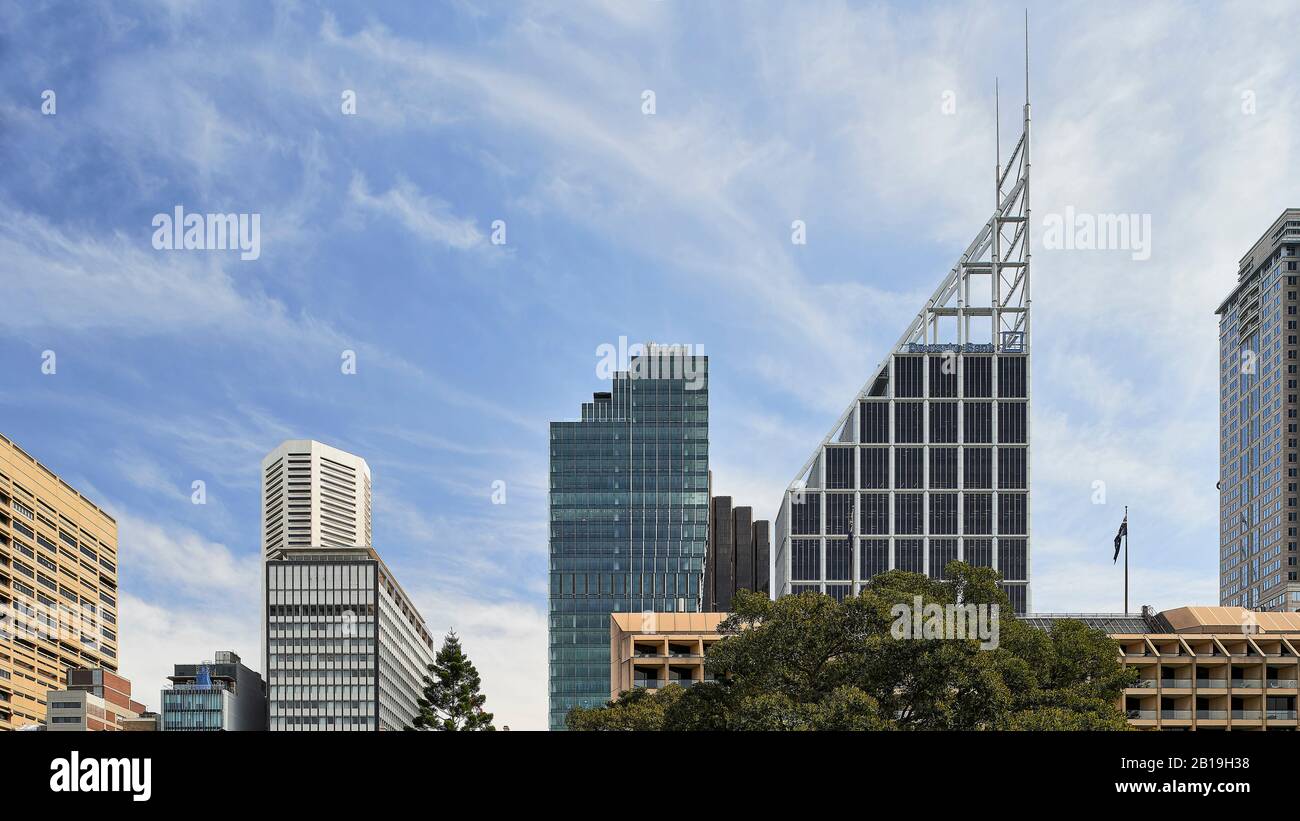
(907, 555)
(1011, 513)
(875, 514)
(943, 375)
(907, 512)
(1011, 468)
(979, 552)
(839, 467)
(874, 422)
(1016, 593)
(977, 513)
(943, 467)
(875, 467)
(1012, 561)
(1011, 422)
(908, 421)
(977, 422)
(806, 516)
(978, 467)
(943, 422)
(942, 551)
(908, 376)
(943, 515)
(1011, 376)
(839, 559)
(875, 557)
(908, 468)
(977, 376)
(839, 507)
(805, 558)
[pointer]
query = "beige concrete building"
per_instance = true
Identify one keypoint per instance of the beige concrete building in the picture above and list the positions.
(1206, 668)
(651, 650)
(58, 586)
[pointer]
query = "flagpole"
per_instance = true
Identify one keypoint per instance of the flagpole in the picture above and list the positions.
(1126, 560)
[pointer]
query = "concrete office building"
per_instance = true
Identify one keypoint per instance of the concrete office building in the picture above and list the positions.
(343, 646)
(1258, 425)
(1205, 668)
(739, 554)
(629, 515)
(652, 650)
(347, 649)
(94, 700)
(58, 586)
(222, 694)
(930, 460)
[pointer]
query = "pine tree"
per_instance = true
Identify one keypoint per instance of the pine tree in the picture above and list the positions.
(451, 700)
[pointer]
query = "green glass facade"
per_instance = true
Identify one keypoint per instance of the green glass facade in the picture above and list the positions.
(629, 502)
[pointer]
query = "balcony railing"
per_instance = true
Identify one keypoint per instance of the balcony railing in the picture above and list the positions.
(1281, 715)
(1211, 684)
(1145, 683)
(1184, 683)
(1142, 715)
(1238, 715)
(1177, 714)
(1246, 682)
(648, 684)
(1281, 683)
(1203, 714)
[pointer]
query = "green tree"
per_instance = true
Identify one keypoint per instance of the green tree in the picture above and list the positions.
(451, 700)
(808, 662)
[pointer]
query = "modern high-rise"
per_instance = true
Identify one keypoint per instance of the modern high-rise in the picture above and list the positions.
(629, 511)
(313, 495)
(346, 648)
(1258, 425)
(221, 694)
(58, 586)
(930, 460)
(739, 554)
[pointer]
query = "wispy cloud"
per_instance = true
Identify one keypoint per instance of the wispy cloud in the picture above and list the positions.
(428, 218)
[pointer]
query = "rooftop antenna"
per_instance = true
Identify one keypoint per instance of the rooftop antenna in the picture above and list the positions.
(997, 147)
(1026, 56)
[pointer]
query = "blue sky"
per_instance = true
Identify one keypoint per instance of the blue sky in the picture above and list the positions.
(174, 366)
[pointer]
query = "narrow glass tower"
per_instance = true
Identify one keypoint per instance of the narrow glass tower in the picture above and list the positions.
(629, 503)
(1257, 424)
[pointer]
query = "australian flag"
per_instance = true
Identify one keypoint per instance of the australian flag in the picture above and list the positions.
(1123, 531)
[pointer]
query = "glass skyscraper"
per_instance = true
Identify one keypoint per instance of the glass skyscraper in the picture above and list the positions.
(629, 505)
(929, 463)
(1257, 425)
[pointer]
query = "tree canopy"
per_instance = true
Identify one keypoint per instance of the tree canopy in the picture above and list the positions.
(451, 700)
(809, 662)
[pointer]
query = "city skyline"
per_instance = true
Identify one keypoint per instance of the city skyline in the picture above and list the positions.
(872, 127)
